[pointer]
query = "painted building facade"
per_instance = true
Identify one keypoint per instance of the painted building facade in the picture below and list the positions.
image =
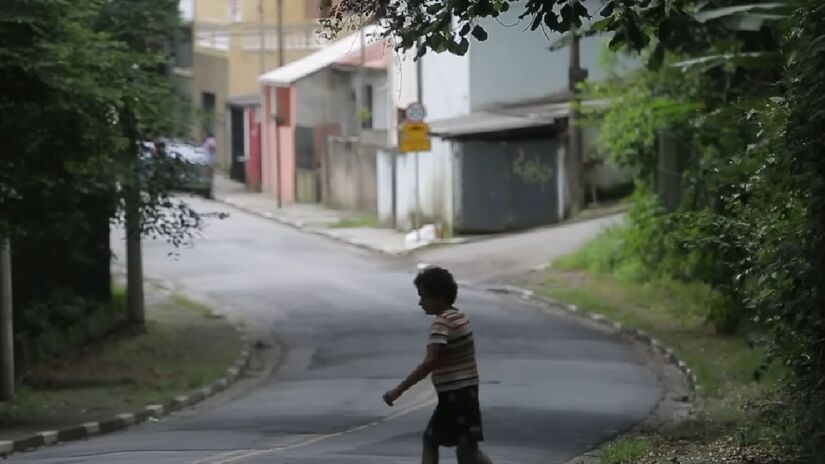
(310, 100)
(480, 94)
(228, 52)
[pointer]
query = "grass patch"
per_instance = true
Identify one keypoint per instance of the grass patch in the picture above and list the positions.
(625, 451)
(189, 305)
(181, 349)
(595, 279)
(356, 222)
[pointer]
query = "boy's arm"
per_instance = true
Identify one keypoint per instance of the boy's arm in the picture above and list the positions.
(434, 351)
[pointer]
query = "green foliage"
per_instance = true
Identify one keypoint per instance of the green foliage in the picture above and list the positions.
(85, 80)
(676, 25)
(624, 451)
(61, 323)
(750, 220)
(356, 222)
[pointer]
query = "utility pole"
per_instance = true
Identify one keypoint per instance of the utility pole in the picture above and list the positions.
(281, 62)
(360, 86)
(262, 34)
(420, 94)
(574, 158)
(281, 59)
(134, 259)
(135, 303)
(6, 330)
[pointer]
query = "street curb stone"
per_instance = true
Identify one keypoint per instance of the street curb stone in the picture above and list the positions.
(650, 343)
(405, 252)
(321, 233)
(129, 419)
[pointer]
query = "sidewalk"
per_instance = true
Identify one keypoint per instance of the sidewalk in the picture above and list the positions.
(320, 220)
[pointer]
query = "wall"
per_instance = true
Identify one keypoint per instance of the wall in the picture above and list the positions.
(246, 67)
(508, 184)
(385, 183)
(323, 98)
(285, 138)
(401, 84)
(377, 80)
(514, 64)
(446, 94)
(435, 177)
(350, 176)
(210, 75)
(446, 85)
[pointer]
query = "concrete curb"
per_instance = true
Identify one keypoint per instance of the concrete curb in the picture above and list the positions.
(321, 233)
(651, 343)
(654, 347)
(125, 420)
(405, 252)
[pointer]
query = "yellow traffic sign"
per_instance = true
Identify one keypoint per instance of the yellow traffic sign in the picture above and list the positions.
(415, 136)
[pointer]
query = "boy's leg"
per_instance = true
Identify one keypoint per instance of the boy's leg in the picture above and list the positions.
(430, 453)
(470, 453)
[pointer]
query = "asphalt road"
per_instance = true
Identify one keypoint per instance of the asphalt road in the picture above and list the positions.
(350, 329)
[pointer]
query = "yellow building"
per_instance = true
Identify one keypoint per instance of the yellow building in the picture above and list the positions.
(235, 41)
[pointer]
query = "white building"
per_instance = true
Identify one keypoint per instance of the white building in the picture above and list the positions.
(505, 91)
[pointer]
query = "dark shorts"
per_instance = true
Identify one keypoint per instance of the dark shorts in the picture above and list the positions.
(457, 418)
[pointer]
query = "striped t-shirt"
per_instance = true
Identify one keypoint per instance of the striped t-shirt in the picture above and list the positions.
(456, 368)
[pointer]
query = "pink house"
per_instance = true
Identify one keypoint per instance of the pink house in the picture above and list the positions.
(310, 99)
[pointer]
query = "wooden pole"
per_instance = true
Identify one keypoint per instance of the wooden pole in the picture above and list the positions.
(6, 321)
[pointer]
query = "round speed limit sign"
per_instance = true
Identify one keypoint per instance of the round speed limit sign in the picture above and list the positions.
(415, 112)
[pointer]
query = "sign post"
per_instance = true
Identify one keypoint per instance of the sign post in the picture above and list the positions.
(415, 138)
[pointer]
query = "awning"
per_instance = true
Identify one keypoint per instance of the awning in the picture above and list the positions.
(482, 123)
(504, 119)
(252, 99)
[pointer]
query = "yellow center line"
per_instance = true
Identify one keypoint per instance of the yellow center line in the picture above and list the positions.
(420, 402)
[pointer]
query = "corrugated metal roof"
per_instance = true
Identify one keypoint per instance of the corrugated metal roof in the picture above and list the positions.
(505, 118)
(481, 123)
(321, 59)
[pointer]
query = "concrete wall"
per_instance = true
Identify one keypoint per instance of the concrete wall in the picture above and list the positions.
(285, 139)
(211, 76)
(350, 176)
(384, 167)
(325, 98)
(246, 67)
(435, 188)
(446, 94)
(514, 64)
(246, 11)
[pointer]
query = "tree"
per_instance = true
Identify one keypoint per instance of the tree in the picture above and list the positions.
(147, 110)
(681, 26)
(67, 162)
(433, 23)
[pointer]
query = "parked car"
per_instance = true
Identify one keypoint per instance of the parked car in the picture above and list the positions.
(189, 165)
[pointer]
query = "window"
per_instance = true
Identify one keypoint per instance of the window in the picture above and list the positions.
(366, 123)
(235, 11)
(208, 115)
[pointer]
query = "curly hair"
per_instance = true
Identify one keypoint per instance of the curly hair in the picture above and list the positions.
(438, 282)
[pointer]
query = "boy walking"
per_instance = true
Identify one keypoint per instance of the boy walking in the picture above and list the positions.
(451, 360)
